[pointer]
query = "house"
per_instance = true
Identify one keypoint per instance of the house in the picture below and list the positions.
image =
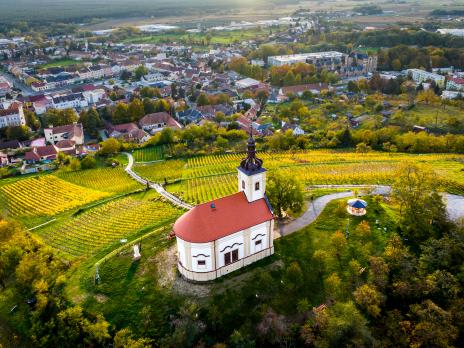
(41, 153)
(128, 132)
(157, 122)
(224, 235)
(455, 84)
(189, 116)
(296, 130)
(12, 116)
(247, 83)
(72, 132)
(70, 101)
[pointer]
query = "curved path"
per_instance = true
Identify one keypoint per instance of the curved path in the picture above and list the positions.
(160, 189)
(454, 205)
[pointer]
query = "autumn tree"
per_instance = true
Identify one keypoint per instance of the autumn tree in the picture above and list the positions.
(285, 194)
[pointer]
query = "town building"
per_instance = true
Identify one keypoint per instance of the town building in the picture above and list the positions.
(419, 76)
(72, 132)
(12, 116)
(455, 84)
(224, 235)
(157, 122)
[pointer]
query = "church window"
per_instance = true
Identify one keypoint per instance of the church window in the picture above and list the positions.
(201, 264)
(230, 257)
(243, 184)
(257, 186)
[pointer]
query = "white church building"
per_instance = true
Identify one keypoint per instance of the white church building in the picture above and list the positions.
(224, 235)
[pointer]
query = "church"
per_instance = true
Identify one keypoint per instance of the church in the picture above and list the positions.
(224, 235)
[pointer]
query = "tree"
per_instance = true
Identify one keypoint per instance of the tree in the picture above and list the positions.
(109, 147)
(140, 72)
(121, 113)
(88, 162)
(18, 133)
(125, 339)
(136, 110)
(91, 121)
(369, 298)
(202, 100)
(285, 194)
(422, 212)
(55, 117)
(363, 148)
(427, 96)
(126, 75)
(31, 120)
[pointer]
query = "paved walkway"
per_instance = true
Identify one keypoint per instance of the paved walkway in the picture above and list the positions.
(160, 189)
(454, 205)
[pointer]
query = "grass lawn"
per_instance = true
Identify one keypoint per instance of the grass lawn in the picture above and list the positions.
(59, 63)
(136, 294)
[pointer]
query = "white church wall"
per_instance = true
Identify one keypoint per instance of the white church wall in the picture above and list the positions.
(259, 233)
(227, 244)
(181, 251)
(202, 252)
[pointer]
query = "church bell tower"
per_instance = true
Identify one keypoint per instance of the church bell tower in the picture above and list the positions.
(251, 174)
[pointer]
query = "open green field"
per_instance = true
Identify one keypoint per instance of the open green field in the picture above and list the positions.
(149, 288)
(216, 37)
(59, 63)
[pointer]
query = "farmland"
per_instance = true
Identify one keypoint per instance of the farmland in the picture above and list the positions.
(149, 154)
(106, 224)
(113, 180)
(45, 196)
(204, 178)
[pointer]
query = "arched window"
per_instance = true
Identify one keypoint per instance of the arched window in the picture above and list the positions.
(243, 184)
(257, 186)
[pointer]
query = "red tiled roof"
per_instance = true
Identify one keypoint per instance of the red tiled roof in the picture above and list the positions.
(457, 80)
(231, 214)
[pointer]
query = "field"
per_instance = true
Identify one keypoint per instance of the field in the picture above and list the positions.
(113, 180)
(204, 178)
(149, 154)
(217, 37)
(108, 223)
(45, 195)
(58, 63)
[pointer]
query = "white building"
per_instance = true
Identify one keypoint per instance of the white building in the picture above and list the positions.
(455, 32)
(70, 101)
(319, 59)
(12, 116)
(71, 132)
(420, 76)
(224, 235)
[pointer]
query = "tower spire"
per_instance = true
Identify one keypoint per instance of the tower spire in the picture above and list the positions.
(251, 163)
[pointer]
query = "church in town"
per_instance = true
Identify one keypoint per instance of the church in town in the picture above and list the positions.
(224, 235)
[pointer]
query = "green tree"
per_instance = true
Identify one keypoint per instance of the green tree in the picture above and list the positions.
(140, 72)
(88, 162)
(136, 110)
(202, 99)
(285, 194)
(422, 212)
(109, 147)
(17, 132)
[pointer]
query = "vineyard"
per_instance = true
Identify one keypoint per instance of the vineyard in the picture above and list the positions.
(209, 177)
(104, 225)
(149, 154)
(45, 195)
(114, 180)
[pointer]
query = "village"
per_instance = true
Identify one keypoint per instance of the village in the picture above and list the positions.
(196, 84)
(291, 180)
